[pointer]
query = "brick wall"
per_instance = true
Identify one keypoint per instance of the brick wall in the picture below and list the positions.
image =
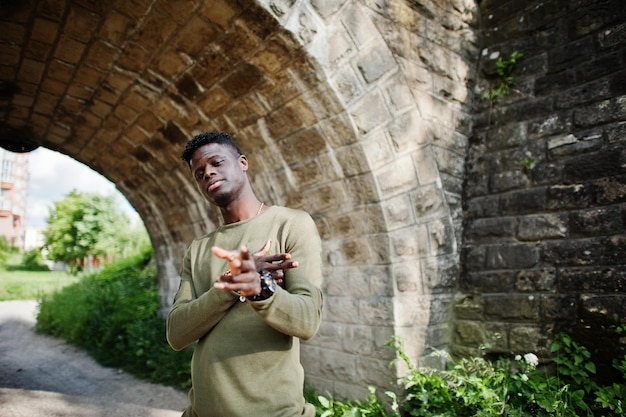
(545, 197)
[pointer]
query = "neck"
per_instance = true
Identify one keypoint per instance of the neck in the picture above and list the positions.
(241, 211)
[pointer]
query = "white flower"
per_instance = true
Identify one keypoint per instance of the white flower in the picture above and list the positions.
(531, 359)
(518, 357)
(524, 377)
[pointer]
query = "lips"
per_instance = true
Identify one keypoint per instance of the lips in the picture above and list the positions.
(215, 184)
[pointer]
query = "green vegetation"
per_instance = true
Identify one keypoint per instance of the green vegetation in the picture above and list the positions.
(6, 251)
(518, 387)
(30, 261)
(87, 225)
(25, 277)
(528, 164)
(114, 316)
(32, 285)
(371, 407)
(504, 80)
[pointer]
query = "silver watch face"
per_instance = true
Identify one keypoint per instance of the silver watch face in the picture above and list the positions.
(268, 279)
(271, 284)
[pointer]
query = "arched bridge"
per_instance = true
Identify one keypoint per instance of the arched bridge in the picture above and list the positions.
(359, 112)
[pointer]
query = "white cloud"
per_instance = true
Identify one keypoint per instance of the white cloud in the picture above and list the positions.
(54, 175)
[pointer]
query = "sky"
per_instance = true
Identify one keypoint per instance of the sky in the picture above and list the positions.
(54, 175)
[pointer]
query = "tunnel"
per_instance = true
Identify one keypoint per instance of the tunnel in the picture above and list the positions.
(357, 112)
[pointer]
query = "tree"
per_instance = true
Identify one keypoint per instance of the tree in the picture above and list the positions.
(85, 225)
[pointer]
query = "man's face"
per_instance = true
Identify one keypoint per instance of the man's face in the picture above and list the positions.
(219, 172)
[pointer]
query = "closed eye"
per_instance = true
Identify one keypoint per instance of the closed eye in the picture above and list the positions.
(199, 173)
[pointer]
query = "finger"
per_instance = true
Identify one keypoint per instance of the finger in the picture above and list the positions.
(278, 277)
(289, 265)
(227, 277)
(279, 257)
(276, 262)
(233, 258)
(235, 265)
(246, 283)
(281, 266)
(223, 253)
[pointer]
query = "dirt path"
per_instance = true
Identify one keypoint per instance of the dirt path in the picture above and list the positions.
(41, 376)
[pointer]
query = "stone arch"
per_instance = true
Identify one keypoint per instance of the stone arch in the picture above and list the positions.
(355, 111)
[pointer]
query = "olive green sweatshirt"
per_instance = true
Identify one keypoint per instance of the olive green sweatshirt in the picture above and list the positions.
(247, 359)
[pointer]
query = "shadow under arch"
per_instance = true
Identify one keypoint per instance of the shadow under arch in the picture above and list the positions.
(121, 87)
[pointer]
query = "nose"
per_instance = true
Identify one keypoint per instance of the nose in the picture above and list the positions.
(208, 171)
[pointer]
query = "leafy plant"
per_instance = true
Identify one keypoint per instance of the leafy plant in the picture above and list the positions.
(573, 361)
(528, 164)
(505, 81)
(371, 407)
(518, 387)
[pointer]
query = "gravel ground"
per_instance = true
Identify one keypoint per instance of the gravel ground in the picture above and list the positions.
(42, 376)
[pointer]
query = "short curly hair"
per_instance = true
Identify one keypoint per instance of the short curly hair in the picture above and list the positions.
(206, 138)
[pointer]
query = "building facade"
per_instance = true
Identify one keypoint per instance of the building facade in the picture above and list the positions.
(13, 193)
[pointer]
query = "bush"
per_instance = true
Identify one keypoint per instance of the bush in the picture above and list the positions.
(114, 315)
(31, 261)
(517, 387)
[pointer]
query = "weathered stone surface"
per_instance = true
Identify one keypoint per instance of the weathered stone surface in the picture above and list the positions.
(527, 339)
(542, 227)
(590, 279)
(562, 123)
(370, 113)
(491, 229)
(539, 280)
(470, 333)
(375, 64)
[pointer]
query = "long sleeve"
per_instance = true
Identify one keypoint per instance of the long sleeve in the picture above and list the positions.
(191, 317)
(297, 311)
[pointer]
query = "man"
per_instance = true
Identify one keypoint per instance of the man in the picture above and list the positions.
(247, 359)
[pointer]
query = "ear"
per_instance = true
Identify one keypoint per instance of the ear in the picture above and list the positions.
(243, 161)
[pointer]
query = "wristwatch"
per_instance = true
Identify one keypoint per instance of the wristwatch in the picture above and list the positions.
(268, 287)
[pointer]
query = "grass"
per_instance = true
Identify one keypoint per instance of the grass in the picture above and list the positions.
(32, 285)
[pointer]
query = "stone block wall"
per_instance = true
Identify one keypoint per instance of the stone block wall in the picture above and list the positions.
(545, 197)
(390, 221)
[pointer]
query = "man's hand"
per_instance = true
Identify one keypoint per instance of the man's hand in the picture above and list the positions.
(244, 267)
(274, 264)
